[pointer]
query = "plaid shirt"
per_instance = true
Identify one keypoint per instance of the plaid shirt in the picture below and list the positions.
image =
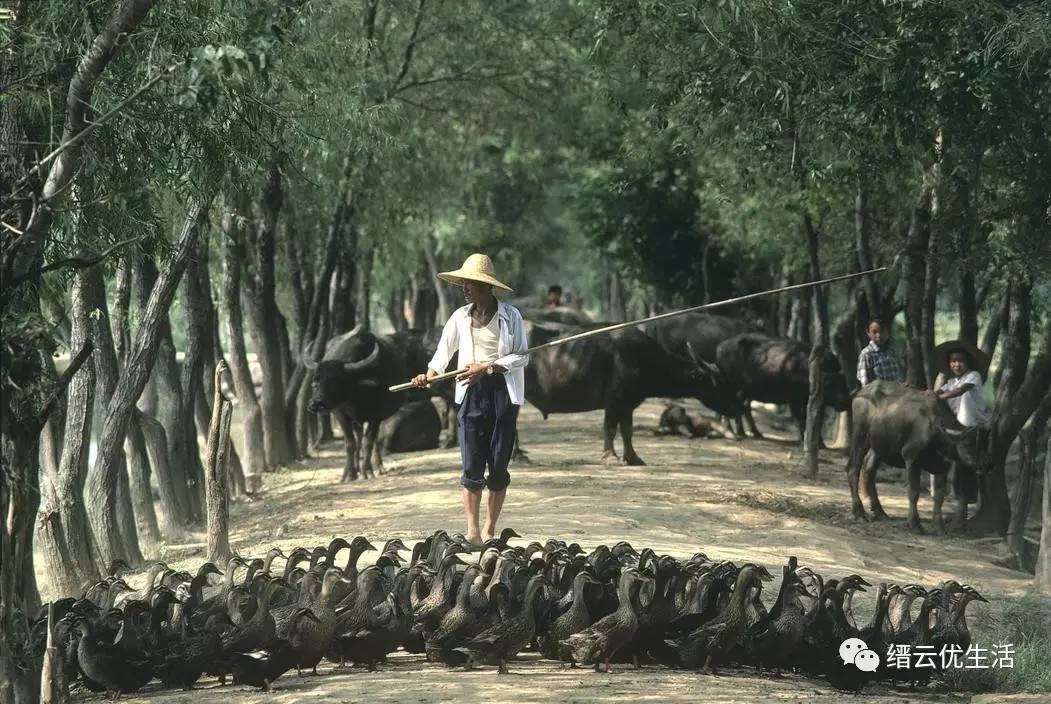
(879, 363)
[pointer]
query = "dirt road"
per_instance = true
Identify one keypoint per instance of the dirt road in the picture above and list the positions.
(733, 500)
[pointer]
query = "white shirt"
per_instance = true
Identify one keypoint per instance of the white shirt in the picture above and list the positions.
(510, 345)
(486, 341)
(971, 408)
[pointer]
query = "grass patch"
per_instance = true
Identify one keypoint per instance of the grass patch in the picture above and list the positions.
(1024, 621)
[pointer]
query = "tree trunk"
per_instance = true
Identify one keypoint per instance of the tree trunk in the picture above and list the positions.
(164, 405)
(122, 403)
(863, 248)
(799, 318)
(248, 404)
(64, 533)
(996, 324)
(1043, 560)
(107, 372)
(300, 299)
(440, 292)
(915, 271)
(1018, 397)
(217, 498)
(364, 307)
(814, 411)
(818, 294)
(211, 352)
(139, 475)
(1029, 438)
(930, 300)
(258, 298)
(198, 347)
(968, 306)
(784, 303)
(156, 439)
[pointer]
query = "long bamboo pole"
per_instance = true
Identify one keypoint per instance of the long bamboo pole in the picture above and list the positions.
(662, 316)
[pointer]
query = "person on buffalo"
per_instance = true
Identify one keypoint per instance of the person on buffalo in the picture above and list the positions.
(554, 296)
(963, 365)
(489, 338)
(879, 359)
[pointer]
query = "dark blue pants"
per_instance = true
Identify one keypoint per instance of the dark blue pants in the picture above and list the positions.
(487, 434)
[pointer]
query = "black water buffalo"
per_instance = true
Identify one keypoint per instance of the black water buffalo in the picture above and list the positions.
(351, 382)
(699, 335)
(563, 315)
(615, 372)
(415, 426)
(776, 370)
(914, 429)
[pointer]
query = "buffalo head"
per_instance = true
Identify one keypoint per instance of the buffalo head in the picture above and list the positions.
(335, 380)
(715, 390)
(837, 395)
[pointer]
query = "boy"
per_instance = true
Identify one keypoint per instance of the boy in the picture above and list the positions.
(879, 360)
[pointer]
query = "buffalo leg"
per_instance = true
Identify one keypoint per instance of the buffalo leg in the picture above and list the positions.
(377, 458)
(728, 431)
(939, 481)
(868, 485)
(372, 431)
(959, 521)
(627, 429)
(915, 488)
(346, 424)
(752, 428)
(858, 450)
(609, 430)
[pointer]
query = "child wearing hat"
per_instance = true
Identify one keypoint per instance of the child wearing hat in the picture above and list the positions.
(963, 390)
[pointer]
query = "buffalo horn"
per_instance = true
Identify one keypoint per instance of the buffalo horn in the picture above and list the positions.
(364, 363)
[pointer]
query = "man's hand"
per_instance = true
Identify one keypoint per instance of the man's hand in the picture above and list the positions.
(422, 380)
(475, 371)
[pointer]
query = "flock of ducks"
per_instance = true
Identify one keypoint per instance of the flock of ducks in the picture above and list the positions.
(610, 605)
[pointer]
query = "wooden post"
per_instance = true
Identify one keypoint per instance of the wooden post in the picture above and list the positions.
(814, 414)
(1043, 560)
(215, 473)
(53, 687)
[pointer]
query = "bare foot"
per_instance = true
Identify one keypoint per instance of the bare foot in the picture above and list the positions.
(475, 540)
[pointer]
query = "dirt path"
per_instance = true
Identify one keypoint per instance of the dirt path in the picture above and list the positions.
(738, 501)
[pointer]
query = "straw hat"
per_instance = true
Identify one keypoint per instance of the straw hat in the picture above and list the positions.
(979, 359)
(477, 267)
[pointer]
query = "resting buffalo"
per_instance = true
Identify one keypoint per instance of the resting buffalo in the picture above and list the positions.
(910, 428)
(615, 372)
(416, 426)
(351, 383)
(699, 335)
(776, 370)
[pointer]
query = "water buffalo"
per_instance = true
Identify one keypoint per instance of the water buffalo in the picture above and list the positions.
(416, 426)
(914, 429)
(351, 383)
(678, 420)
(776, 370)
(699, 335)
(615, 372)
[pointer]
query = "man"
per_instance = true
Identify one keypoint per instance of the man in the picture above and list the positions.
(554, 297)
(488, 337)
(879, 359)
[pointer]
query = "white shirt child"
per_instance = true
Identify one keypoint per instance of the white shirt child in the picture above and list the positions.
(971, 408)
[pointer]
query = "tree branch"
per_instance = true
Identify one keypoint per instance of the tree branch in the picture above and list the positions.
(409, 49)
(65, 377)
(68, 263)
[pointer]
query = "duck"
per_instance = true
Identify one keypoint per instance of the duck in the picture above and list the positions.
(505, 639)
(115, 669)
(775, 638)
(717, 639)
(260, 668)
(458, 625)
(572, 621)
(183, 662)
(314, 634)
(599, 642)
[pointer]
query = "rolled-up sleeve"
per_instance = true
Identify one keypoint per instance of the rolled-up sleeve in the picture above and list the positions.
(447, 346)
(516, 359)
(863, 367)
